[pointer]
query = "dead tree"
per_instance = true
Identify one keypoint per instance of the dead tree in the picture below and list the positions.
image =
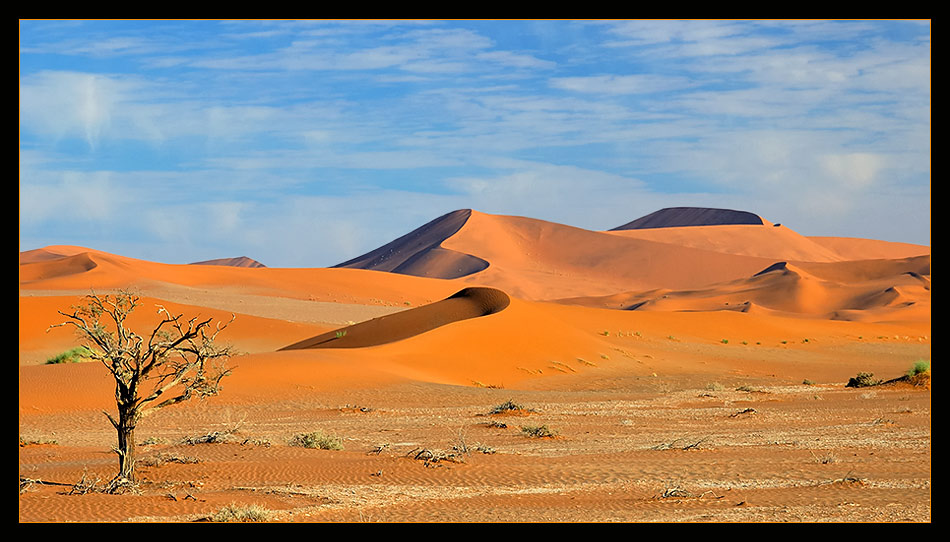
(177, 361)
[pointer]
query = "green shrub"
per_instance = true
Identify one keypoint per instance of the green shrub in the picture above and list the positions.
(920, 367)
(317, 439)
(73, 355)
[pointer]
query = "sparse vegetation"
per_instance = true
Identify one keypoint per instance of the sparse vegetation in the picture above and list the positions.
(807, 382)
(715, 386)
(920, 367)
(318, 440)
(724, 341)
(680, 444)
(242, 513)
(73, 355)
(37, 442)
(161, 459)
(510, 406)
(538, 431)
(862, 380)
(825, 459)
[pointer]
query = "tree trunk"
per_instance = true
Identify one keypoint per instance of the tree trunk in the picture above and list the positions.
(126, 448)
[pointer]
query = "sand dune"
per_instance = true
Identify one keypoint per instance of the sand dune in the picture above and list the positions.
(465, 304)
(878, 290)
(716, 354)
(672, 217)
(242, 261)
(535, 259)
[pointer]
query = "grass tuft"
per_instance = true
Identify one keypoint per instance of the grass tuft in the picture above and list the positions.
(318, 440)
(241, 513)
(73, 355)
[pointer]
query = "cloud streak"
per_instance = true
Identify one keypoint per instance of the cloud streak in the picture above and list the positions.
(234, 128)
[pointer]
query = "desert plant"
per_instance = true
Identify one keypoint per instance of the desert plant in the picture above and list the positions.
(724, 341)
(177, 361)
(920, 367)
(73, 355)
(242, 513)
(862, 380)
(509, 406)
(317, 439)
(538, 431)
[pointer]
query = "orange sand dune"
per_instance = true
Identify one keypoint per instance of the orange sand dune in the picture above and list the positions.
(881, 290)
(534, 259)
(242, 261)
(420, 252)
(465, 304)
(78, 269)
(763, 241)
(851, 248)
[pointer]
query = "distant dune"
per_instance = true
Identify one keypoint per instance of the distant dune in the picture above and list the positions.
(535, 259)
(242, 261)
(673, 217)
(420, 252)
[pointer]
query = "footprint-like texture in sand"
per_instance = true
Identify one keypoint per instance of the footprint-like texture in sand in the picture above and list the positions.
(467, 303)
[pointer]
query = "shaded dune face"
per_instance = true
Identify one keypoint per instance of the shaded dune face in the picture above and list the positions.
(673, 217)
(467, 303)
(420, 252)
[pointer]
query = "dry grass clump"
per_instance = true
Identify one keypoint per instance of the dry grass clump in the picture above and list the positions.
(862, 380)
(242, 513)
(510, 407)
(538, 431)
(318, 440)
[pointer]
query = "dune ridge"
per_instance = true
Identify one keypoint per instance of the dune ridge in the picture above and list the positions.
(420, 252)
(462, 305)
(241, 261)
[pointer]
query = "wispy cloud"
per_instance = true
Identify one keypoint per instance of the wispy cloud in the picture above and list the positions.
(247, 130)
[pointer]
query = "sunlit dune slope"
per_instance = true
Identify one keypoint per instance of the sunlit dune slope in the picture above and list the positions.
(79, 269)
(875, 290)
(851, 248)
(535, 259)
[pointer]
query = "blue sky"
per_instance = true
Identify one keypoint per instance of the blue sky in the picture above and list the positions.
(304, 144)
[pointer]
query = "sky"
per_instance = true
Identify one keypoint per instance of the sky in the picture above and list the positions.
(307, 143)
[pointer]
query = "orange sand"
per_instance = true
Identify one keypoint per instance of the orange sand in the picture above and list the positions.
(694, 361)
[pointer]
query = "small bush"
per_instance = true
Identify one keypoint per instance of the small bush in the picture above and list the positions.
(920, 367)
(317, 439)
(73, 355)
(248, 513)
(509, 406)
(715, 386)
(539, 431)
(862, 380)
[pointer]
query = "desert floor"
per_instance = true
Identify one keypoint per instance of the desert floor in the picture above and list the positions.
(661, 419)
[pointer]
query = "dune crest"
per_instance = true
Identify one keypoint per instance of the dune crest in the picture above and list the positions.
(241, 261)
(464, 304)
(420, 252)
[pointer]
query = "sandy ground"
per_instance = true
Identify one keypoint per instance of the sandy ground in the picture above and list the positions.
(654, 416)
